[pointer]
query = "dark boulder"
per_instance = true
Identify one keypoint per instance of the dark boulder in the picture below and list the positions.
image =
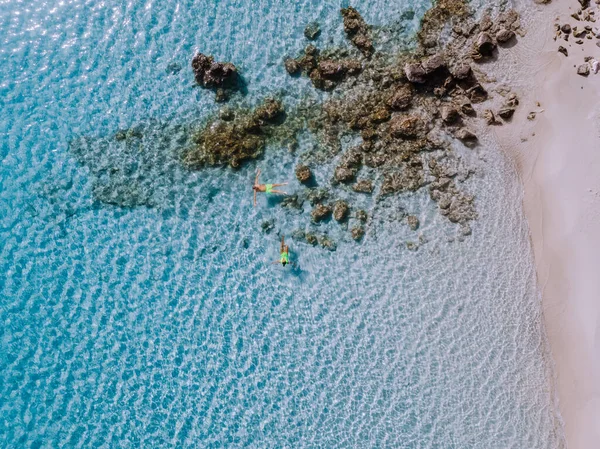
(461, 71)
(211, 74)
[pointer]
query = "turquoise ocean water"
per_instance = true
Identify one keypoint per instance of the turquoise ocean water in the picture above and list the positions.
(166, 326)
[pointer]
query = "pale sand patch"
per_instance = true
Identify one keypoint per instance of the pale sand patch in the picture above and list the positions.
(557, 156)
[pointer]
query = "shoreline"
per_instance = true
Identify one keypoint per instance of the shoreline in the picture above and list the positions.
(557, 158)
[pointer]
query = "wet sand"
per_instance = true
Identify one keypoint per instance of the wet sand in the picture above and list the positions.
(557, 156)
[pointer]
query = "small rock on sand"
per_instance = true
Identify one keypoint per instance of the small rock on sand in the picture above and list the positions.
(583, 70)
(563, 50)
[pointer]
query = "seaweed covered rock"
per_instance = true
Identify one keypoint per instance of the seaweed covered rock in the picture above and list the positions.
(232, 142)
(358, 31)
(410, 179)
(212, 74)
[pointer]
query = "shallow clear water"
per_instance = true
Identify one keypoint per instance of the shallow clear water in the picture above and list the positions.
(166, 326)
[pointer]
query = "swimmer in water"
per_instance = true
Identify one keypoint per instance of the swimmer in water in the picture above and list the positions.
(284, 250)
(267, 188)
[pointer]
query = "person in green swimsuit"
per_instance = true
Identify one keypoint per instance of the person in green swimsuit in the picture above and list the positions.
(284, 253)
(267, 188)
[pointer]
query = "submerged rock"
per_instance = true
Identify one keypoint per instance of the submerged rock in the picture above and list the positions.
(340, 211)
(325, 73)
(413, 222)
(320, 212)
(363, 186)
(415, 73)
(583, 70)
(344, 174)
(303, 173)
(312, 31)
(357, 232)
(292, 66)
(362, 215)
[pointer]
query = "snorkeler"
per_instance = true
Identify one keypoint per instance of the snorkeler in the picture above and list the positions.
(284, 257)
(267, 188)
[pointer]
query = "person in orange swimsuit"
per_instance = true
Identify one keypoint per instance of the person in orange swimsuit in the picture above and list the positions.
(267, 188)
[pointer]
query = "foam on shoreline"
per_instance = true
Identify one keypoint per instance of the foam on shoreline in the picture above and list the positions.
(557, 158)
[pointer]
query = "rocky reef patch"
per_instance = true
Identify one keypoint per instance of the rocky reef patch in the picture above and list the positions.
(406, 112)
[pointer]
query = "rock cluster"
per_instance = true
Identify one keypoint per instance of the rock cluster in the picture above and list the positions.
(325, 72)
(580, 32)
(358, 31)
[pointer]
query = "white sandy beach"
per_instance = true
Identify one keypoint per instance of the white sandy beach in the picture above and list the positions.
(557, 156)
